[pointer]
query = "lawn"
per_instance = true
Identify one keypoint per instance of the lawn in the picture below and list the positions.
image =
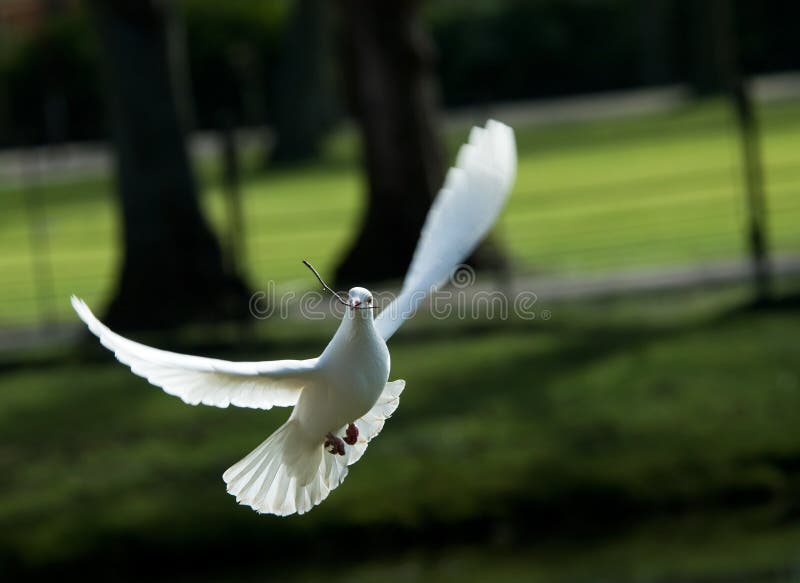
(617, 194)
(647, 438)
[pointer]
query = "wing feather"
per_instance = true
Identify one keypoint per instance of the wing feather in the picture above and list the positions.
(473, 194)
(208, 381)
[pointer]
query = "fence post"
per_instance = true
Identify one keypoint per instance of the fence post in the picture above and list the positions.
(235, 246)
(38, 237)
(754, 186)
(728, 64)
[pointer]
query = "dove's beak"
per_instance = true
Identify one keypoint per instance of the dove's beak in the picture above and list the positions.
(355, 302)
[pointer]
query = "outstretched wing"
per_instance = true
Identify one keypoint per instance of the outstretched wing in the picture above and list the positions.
(195, 379)
(466, 207)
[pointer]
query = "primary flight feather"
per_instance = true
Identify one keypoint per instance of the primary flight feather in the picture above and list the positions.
(341, 398)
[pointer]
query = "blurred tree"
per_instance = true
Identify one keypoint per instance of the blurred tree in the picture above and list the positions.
(573, 46)
(388, 65)
(391, 87)
(233, 55)
(172, 269)
(302, 106)
(656, 23)
(49, 82)
(707, 54)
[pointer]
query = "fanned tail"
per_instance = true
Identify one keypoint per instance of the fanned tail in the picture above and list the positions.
(285, 474)
(291, 473)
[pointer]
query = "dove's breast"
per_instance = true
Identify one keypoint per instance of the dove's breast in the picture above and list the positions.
(354, 370)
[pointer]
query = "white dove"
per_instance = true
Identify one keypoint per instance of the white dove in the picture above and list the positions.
(345, 391)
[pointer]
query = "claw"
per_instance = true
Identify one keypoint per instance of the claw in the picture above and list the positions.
(351, 435)
(335, 444)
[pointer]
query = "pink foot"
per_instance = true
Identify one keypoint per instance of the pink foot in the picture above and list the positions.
(335, 444)
(351, 435)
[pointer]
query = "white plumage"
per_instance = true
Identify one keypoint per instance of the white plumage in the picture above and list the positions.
(467, 206)
(347, 385)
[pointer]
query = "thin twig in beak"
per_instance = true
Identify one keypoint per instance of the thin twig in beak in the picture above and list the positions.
(335, 294)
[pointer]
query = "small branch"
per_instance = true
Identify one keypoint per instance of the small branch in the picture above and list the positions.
(327, 288)
(324, 285)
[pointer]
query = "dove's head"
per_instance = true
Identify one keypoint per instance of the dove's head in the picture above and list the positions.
(359, 297)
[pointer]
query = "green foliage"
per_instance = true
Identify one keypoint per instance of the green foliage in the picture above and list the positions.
(233, 50)
(56, 74)
(496, 51)
(510, 49)
(488, 51)
(228, 42)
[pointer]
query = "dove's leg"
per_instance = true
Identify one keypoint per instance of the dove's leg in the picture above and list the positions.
(351, 435)
(335, 444)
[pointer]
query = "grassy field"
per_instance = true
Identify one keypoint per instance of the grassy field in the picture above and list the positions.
(609, 443)
(618, 194)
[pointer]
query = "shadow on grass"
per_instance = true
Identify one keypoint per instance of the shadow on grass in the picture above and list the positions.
(508, 436)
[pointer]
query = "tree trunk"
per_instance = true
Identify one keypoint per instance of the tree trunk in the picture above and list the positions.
(656, 31)
(302, 108)
(391, 87)
(388, 65)
(710, 51)
(172, 270)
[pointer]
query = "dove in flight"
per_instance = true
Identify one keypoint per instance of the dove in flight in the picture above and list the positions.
(342, 398)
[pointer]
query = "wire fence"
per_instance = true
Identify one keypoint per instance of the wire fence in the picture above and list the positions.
(599, 196)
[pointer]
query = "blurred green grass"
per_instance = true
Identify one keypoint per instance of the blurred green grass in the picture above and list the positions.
(607, 413)
(615, 194)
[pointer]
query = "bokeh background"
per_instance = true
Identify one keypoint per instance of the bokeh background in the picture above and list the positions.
(167, 159)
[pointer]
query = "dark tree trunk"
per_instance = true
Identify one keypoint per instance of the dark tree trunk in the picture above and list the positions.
(302, 109)
(710, 62)
(389, 74)
(388, 64)
(655, 35)
(172, 270)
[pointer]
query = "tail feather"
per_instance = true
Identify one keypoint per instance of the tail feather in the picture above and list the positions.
(289, 474)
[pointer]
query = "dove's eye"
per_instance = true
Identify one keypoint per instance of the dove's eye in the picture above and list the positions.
(369, 299)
